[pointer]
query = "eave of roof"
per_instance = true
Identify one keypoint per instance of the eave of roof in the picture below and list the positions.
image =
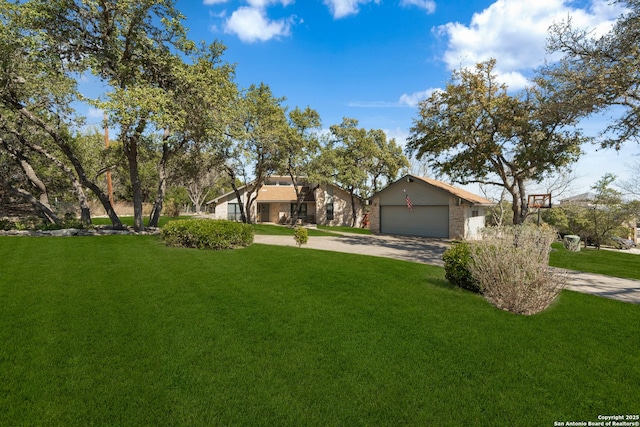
(459, 192)
(273, 193)
(456, 191)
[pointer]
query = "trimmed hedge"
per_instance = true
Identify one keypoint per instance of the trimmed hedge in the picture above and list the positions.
(207, 234)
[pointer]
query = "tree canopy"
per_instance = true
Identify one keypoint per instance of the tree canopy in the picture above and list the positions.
(180, 118)
(475, 131)
(598, 72)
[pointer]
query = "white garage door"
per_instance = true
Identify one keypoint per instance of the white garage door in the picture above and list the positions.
(425, 221)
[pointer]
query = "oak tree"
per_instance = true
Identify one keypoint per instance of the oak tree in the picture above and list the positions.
(601, 71)
(475, 131)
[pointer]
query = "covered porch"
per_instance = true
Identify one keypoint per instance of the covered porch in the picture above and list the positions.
(276, 204)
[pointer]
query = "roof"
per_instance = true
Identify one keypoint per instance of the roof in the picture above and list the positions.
(456, 191)
(276, 193)
(270, 194)
(584, 197)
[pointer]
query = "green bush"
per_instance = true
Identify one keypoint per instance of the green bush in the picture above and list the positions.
(456, 267)
(6, 224)
(301, 236)
(207, 234)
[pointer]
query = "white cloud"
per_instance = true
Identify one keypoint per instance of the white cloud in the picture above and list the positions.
(251, 24)
(212, 2)
(428, 5)
(342, 8)
(413, 99)
(95, 113)
(515, 33)
(261, 4)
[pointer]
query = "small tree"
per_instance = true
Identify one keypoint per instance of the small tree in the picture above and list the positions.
(608, 213)
(301, 236)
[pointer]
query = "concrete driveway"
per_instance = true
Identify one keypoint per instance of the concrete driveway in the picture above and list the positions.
(429, 251)
(414, 249)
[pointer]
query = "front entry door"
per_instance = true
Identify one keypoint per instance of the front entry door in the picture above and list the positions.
(264, 212)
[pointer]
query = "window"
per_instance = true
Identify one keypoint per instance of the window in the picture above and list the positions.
(233, 212)
(474, 212)
(329, 211)
(302, 212)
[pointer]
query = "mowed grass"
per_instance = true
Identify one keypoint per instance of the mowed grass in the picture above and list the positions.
(340, 229)
(121, 330)
(283, 230)
(590, 260)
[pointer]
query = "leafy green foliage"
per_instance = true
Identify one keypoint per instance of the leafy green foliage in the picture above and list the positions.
(36, 223)
(207, 234)
(172, 207)
(598, 218)
(301, 236)
(600, 71)
(456, 267)
(475, 131)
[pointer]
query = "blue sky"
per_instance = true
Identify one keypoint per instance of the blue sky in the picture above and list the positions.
(373, 60)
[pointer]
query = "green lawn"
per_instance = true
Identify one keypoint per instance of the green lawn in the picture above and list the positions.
(121, 330)
(345, 229)
(589, 260)
(281, 230)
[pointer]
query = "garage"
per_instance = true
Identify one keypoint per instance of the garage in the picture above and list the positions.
(424, 221)
(425, 207)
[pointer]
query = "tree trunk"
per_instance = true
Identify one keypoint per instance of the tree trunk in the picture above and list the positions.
(519, 206)
(130, 148)
(43, 204)
(154, 218)
(63, 144)
(131, 152)
(232, 177)
(43, 210)
(354, 212)
(250, 200)
(85, 213)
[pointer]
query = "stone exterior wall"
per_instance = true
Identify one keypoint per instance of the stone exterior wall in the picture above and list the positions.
(374, 215)
(342, 208)
(457, 218)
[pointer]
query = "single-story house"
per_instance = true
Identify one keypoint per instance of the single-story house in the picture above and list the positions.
(418, 206)
(327, 204)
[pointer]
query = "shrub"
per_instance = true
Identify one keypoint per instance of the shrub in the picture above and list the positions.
(207, 234)
(6, 224)
(511, 264)
(172, 208)
(301, 236)
(456, 267)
